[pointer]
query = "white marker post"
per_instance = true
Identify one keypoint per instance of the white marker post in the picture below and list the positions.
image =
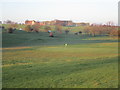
(66, 45)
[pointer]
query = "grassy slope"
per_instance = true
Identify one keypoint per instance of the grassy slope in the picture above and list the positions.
(82, 65)
(74, 29)
(21, 38)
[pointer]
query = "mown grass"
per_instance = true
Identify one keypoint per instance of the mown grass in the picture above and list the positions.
(91, 65)
(22, 38)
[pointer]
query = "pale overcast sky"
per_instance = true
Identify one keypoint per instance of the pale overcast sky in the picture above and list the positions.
(93, 11)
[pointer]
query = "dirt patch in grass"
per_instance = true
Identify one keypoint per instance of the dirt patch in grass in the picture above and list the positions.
(13, 48)
(8, 65)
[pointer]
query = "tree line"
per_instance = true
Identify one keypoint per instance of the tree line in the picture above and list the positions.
(102, 30)
(94, 29)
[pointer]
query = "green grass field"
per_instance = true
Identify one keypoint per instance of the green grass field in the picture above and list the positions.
(32, 60)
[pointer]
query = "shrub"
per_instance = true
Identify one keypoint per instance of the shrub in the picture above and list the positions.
(28, 28)
(10, 30)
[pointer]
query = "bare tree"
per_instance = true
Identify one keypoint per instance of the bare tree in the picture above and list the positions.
(28, 28)
(36, 28)
(9, 22)
(13, 26)
(58, 28)
(47, 28)
(110, 23)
